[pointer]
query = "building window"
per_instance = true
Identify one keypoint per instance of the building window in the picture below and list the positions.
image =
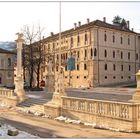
(95, 52)
(136, 56)
(105, 66)
(128, 41)
(113, 54)
(85, 77)
(105, 53)
(56, 68)
(71, 40)
(78, 54)
(114, 67)
(121, 40)
(78, 39)
(66, 68)
(113, 38)
(121, 55)
(121, 77)
(65, 76)
(77, 66)
(66, 56)
(85, 38)
(85, 53)
(121, 67)
(85, 66)
(128, 55)
(114, 77)
(9, 62)
(77, 77)
(105, 77)
(105, 37)
(91, 52)
(129, 67)
(129, 77)
(70, 77)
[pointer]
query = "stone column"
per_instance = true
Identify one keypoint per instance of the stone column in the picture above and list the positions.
(18, 79)
(136, 96)
(49, 79)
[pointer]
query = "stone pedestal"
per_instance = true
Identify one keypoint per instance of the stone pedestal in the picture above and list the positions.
(136, 96)
(50, 83)
(53, 108)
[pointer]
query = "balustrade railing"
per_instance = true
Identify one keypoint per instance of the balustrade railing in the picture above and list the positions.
(118, 110)
(6, 93)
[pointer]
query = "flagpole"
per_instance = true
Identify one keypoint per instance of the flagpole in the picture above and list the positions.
(59, 39)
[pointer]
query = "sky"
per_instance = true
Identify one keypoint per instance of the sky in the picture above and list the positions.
(14, 15)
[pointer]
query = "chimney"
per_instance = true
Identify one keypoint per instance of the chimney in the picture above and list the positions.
(104, 19)
(51, 33)
(75, 26)
(79, 23)
(132, 29)
(128, 24)
(87, 20)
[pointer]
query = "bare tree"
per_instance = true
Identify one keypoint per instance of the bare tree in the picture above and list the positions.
(32, 52)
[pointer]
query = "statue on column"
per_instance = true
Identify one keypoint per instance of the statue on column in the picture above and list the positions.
(18, 78)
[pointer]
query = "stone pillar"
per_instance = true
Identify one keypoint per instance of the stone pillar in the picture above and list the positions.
(49, 83)
(18, 79)
(136, 96)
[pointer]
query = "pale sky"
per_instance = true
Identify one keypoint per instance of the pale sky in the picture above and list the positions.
(14, 15)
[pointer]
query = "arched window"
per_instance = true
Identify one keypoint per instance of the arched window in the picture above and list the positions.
(105, 53)
(105, 66)
(9, 62)
(95, 52)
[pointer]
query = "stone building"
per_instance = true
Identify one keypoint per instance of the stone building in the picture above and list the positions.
(105, 53)
(7, 60)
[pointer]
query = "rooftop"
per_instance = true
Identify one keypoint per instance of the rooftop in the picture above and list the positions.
(97, 23)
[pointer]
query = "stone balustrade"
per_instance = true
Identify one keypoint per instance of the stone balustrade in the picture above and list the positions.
(8, 98)
(125, 116)
(6, 93)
